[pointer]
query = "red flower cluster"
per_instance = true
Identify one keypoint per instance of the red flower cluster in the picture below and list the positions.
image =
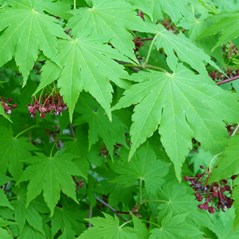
(7, 105)
(47, 104)
(216, 195)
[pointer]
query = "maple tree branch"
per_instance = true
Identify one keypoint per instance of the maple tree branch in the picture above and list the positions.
(117, 213)
(228, 80)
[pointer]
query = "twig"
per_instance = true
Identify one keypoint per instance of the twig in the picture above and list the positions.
(117, 213)
(90, 213)
(228, 80)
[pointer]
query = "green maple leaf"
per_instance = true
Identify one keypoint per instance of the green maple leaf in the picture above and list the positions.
(111, 132)
(50, 175)
(144, 167)
(4, 202)
(224, 24)
(27, 215)
(81, 59)
(175, 198)
(26, 29)
(108, 227)
(174, 227)
(5, 234)
(112, 20)
(178, 47)
(66, 219)
(14, 150)
(176, 10)
(180, 106)
(227, 163)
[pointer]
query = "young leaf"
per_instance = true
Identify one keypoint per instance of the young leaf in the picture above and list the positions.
(107, 227)
(80, 60)
(227, 163)
(50, 175)
(181, 106)
(112, 20)
(144, 167)
(13, 152)
(26, 29)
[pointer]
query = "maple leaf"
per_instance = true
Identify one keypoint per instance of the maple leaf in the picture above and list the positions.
(174, 227)
(175, 198)
(50, 175)
(26, 29)
(111, 132)
(66, 219)
(227, 163)
(224, 24)
(179, 47)
(144, 167)
(86, 65)
(108, 227)
(181, 106)
(112, 20)
(14, 150)
(5, 234)
(174, 9)
(27, 215)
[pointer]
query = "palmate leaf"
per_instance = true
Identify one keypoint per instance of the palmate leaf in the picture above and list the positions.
(174, 227)
(179, 47)
(176, 10)
(50, 175)
(108, 227)
(227, 163)
(224, 24)
(181, 106)
(26, 30)
(145, 167)
(85, 65)
(111, 132)
(13, 152)
(67, 220)
(109, 19)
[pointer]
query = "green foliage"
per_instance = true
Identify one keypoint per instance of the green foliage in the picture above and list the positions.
(106, 106)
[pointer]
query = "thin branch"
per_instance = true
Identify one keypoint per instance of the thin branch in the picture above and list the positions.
(228, 80)
(111, 208)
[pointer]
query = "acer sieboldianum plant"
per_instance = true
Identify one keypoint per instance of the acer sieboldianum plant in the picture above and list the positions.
(119, 119)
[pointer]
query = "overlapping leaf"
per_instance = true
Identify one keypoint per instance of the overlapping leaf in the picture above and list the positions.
(86, 65)
(109, 19)
(227, 164)
(99, 124)
(108, 227)
(224, 24)
(26, 29)
(145, 167)
(174, 9)
(50, 175)
(13, 152)
(179, 47)
(181, 106)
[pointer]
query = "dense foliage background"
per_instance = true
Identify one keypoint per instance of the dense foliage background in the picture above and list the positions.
(119, 119)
